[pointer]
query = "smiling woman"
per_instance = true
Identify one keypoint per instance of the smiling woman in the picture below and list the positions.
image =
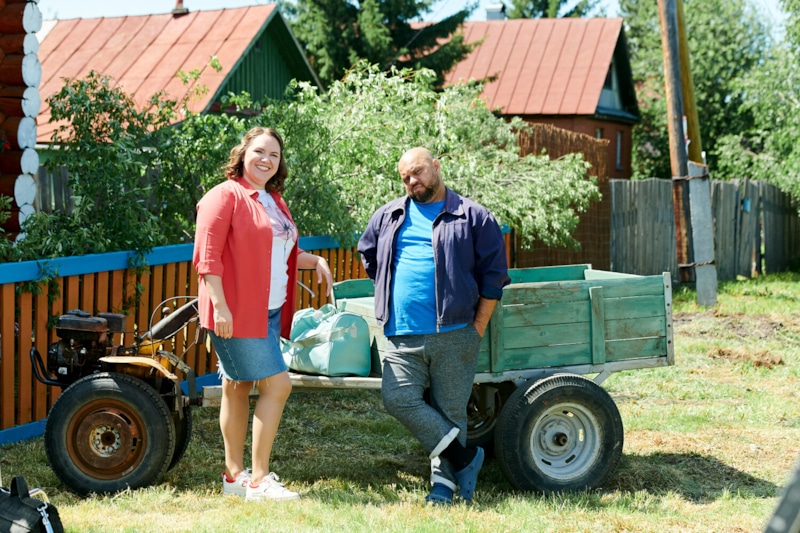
(247, 257)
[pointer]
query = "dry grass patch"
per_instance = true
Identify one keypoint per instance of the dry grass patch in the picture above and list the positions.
(760, 358)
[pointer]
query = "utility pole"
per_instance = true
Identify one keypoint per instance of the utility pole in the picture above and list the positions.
(691, 191)
(678, 159)
(692, 132)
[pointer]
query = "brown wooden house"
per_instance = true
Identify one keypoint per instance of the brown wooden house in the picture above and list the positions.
(20, 76)
(572, 73)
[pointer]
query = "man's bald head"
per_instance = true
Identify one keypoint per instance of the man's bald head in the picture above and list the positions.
(421, 175)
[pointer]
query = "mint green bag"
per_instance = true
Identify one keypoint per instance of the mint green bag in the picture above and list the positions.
(328, 342)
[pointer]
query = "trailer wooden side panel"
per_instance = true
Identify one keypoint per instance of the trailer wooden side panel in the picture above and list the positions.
(562, 316)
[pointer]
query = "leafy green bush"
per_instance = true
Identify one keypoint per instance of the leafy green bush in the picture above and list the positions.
(343, 147)
(136, 175)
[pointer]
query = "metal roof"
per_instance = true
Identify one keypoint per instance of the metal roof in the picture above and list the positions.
(144, 53)
(541, 66)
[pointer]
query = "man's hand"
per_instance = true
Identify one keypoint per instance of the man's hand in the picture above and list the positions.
(480, 327)
(483, 314)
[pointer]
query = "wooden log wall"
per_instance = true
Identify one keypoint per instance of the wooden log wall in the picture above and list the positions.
(20, 76)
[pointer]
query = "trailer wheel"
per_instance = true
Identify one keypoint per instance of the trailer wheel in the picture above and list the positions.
(108, 432)
(485, 404)
(183, 434)
(562, 433)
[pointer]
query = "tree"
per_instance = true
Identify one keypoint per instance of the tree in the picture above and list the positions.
(104, 142)
(770, 149)
(337, 33)
(726, 39)
(348, 141)
(792, 9)
(136, 176)
(538, 9)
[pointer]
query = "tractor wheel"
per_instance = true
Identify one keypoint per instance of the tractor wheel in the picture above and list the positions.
(108, 432)
(183, 434)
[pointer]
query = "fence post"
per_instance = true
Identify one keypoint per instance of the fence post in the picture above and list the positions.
(705, 270)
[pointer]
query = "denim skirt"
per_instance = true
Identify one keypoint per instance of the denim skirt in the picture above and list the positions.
(251, 359)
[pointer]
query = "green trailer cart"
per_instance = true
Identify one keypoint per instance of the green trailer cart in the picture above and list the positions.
(537, 400)
(122, 418)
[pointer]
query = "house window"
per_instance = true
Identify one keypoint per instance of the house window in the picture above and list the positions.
(598, 133)
(619, 151)
(609, 83)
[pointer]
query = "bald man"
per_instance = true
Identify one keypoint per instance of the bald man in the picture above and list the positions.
(439, 266)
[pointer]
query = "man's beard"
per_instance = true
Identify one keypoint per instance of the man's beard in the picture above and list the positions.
(424, 196)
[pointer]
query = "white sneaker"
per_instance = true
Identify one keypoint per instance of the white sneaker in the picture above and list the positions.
(238, 486)
(270, 488)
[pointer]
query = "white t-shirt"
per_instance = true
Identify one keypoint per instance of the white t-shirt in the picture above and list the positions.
(284, 235)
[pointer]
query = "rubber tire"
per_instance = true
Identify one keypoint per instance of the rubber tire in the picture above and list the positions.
(135, 435)
(538, 439)
(183, 434)
(481, 420)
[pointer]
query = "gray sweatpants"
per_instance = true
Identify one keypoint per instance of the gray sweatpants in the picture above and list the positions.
(445, 363)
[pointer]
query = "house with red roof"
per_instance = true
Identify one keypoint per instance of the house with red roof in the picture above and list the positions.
(254, 46)
(573, 73)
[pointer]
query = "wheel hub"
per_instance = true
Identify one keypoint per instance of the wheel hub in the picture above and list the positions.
(560, 442)
(105, 440)
(560, 439)
(557, 436)
(109, 440)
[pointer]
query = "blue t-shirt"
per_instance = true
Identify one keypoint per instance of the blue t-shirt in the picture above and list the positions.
(412, 306)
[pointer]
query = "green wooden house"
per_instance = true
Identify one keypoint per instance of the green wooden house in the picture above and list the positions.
(254, 46)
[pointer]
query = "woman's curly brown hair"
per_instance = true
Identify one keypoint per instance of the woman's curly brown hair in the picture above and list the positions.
(234, 167)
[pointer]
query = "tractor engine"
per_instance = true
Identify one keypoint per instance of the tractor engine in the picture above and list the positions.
(84, 340)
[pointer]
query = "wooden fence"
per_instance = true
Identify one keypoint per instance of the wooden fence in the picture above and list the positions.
(756, 228)
(736, 229)
(781, 228)
(642, 227)
(109, 283)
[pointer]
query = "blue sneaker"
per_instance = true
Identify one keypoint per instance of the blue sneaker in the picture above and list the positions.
(440, 495)
(468, 477)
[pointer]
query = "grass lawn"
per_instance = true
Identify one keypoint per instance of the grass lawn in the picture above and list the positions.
(709, 445)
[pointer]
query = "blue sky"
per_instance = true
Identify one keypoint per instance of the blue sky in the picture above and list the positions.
(66, 9)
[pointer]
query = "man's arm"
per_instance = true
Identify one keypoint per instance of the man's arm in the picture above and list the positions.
(368, 247)
(491, 266)
(491, 269)
(483, 313)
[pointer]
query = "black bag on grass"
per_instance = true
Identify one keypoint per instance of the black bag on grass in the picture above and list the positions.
(19, 513)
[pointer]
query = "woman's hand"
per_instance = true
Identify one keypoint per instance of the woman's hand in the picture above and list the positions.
(324, 272)
(223, 322)
(223, 318)
(307, 261)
